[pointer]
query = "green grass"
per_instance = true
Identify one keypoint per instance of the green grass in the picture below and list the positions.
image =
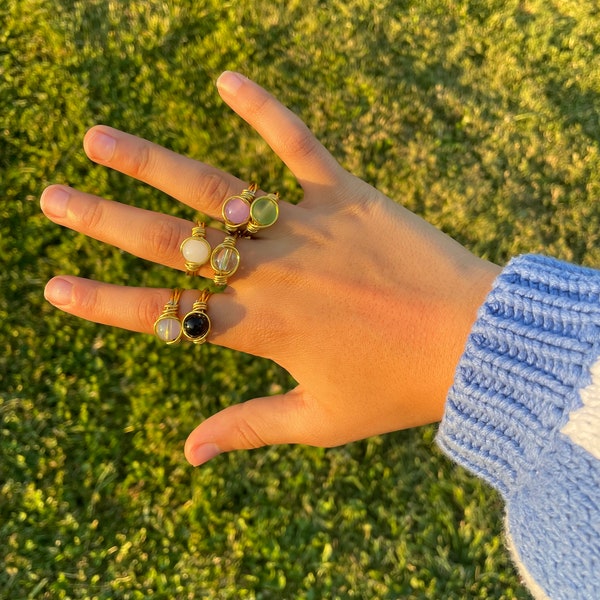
(482, 117)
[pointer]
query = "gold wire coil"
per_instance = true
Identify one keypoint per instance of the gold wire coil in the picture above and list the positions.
(251, 189)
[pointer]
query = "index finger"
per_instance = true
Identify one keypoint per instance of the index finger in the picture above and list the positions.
(284, 131)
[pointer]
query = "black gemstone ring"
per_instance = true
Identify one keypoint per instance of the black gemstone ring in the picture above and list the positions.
(196, 324)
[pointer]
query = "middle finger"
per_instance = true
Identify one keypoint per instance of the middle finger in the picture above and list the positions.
(194, 183)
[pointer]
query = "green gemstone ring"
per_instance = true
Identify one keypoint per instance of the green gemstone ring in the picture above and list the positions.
(264, 212)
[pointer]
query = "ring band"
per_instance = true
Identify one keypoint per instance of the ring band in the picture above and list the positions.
(167, 327)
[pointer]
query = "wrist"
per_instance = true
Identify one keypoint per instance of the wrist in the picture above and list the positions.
(473, 280)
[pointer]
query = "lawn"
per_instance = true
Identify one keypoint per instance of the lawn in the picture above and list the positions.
(483, 117)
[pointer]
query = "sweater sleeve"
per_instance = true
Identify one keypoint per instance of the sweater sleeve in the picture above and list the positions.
(524, 414)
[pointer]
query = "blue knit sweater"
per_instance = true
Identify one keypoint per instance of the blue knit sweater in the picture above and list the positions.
(524, 414)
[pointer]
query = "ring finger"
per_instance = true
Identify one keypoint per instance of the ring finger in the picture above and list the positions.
(140, 232)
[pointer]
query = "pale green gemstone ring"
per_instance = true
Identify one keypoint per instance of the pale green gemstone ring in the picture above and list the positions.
(264, 212)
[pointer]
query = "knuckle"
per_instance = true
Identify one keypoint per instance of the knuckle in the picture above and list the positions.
(163, 241)
(299, 144)
(91, 215)
(296, 141)
(86, 298)
(248, 435)
(262, 106)
(209, 192)
(148, 310)
(140, 166)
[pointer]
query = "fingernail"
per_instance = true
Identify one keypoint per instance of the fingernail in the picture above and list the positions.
(59, 291)
(55, 201)
(101, 147)
(203, 453)
(230, 82)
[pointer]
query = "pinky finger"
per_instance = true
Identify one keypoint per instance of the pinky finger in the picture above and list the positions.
(135, 309)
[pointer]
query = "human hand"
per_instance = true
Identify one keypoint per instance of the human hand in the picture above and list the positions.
(366, 305)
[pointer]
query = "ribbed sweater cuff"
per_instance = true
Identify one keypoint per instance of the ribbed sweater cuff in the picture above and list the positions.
(527, 356)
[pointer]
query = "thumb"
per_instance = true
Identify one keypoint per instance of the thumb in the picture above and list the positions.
(282, 419)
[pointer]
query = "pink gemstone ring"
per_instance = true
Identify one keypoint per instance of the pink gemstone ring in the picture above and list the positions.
(236, 209)
(236, 212)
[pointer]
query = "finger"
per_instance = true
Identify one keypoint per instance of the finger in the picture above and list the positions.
(140, 232)
(192, 182)
(281, 419)
(247, 326)
(135, 308)
(285, 132)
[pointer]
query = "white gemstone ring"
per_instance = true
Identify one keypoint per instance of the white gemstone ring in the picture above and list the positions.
(196, 249)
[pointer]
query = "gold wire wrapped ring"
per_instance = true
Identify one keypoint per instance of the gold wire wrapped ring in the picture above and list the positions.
(264, 212)
(196, 324)
(236, 209)
(195, 249)
(167, 327)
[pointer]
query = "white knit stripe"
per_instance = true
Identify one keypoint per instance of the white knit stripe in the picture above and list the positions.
(536, 591)
(583, 427)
